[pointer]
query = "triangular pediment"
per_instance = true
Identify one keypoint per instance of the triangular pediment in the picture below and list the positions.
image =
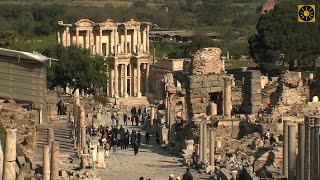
(108, 22)
(84, 23)
(132, 22)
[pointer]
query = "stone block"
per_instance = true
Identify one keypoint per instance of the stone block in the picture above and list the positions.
(197, 95)
(203, 90)
(195, 100)
(21, 161)
(195, 79)
(195, 85)
(212, 77)
(215, 89)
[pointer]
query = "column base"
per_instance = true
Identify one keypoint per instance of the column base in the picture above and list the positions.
(139, 94)
(125, 95)
(116, 96)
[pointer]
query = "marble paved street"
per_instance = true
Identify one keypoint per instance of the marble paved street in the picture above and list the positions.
(151, 162)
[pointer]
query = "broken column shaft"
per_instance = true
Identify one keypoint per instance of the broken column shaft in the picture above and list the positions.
(285, 148)
(227, 98)
(54, 161)
(301, 150)
(82, 127)
(10, 154)
(205, 142)
(46, 163)
(200, 142)
(50, 136)
(316, 141)
(212, 142)
(307, 157)
(292, 151)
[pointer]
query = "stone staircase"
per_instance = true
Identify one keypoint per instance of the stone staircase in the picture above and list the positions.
(62, 135)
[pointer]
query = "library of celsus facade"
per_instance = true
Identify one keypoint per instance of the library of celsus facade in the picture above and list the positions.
(124, 46)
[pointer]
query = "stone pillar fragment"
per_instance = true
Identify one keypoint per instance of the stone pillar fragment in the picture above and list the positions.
(213, 109)
(212, 142)
(205, 142)
(285, 149)
(301, 150)
(54, 161)
(292, 151)
(307, 158)
(83, 138)
(147, 77)
(227, 98)
(172, 121)
(50, 136)
(10, 154)
(46, 163)
(152, 113)
(201, 142)
(125, 92)
(116, 88)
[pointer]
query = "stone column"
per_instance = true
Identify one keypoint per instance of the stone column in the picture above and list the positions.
(87, 45)
(147, 77)
(46, 163)
(83, 138)
(68, 41)
(116, 41)
(1, 161)
(205, 143)
(201, 142)
(125, 40)
(112, 47)
(134, 41)
(54, 161)
(316, 157)
(212, 142)
(213, 109)
(172, 121)
(10, 154)
(121, 80)
(77, 37)
(307, 158)
(82, 126)
(152, 112)
(111, 82)
(227, 98)
(50, 136)
(59, 38)
(285, 148)
(125, 80)
(91, 41)
(301, 150)
(138, 79)
(292, 151)
(147, 39)
(116, 89)
(79, 125)
(139, 41)
(100, 42)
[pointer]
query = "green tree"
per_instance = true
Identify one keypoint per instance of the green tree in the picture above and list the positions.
(76, 67)
(283, 42)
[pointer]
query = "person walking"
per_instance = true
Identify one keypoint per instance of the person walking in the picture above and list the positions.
(113, 119)
(107, 149)
(187, 175)
(157, 138)
(147, 138)
(132, 120)
(125, 117)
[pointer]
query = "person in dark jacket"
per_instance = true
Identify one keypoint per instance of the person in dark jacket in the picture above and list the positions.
(187, 175)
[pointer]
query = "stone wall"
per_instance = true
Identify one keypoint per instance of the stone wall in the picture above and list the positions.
(198, 94)
(251, 91)
(171, 64)
(207, 61)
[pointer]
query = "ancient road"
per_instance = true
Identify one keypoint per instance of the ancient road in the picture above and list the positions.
(152, 162)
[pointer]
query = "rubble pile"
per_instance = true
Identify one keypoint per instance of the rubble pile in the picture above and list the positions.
(207, 61)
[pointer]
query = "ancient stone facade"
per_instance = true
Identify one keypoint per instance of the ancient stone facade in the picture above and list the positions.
(125, 47)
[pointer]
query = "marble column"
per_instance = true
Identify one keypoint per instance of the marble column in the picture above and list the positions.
(91, 41)
(111, 82)
(316, 157)
(307, 158)
(82, 125)
(83, 138)
(227, 98)
(147, 39)
(79, 125)
(205, 143)
(212, 142)
(125, 80)
(54, 161)
(139, 40)
(1, 161)
(172, 121)
(50, 136)
(10, 154)
(152, 109)
(112, 47)
(100, 42)
(301, 150)
(134, 41)
(121, 80)
(46, 163)
(138, 79)
(201, 142)
(116, 41)
(116, 89)
(292, 151)
(285, 148)
(147, 77)
(77, 37)
(87, 45)
(125, 41)
(68, 41)
(144, 41)
(213, 109)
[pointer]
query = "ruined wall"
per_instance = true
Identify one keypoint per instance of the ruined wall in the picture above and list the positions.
(251, 91)
(207, 61)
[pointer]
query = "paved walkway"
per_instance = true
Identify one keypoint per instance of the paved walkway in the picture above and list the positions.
(151, 162)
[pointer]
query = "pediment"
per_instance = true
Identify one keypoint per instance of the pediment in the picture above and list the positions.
(132, 22)
(108, 22)
(84, 23)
